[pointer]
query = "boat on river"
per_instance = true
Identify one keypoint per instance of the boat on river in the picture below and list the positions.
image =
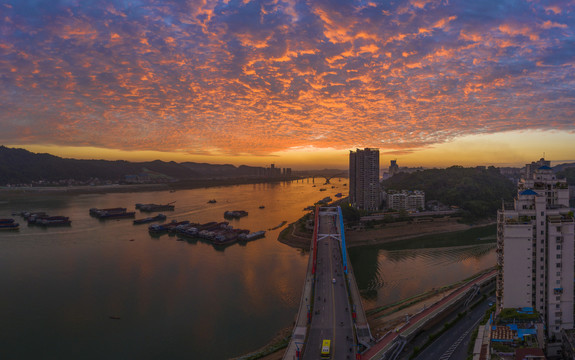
(95, 211)
(155, 207)
(9, 224)
(158, 217)
(235, 214)
(159, 229)
(252, 236)
(54, 221)
(114, 213)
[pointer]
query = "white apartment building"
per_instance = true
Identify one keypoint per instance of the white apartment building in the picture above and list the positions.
(535, 251)
(364, 189)
(406, 200)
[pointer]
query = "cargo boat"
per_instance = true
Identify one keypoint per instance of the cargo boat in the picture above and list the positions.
(158, 217)
(54, 221)
(115, 214)
(252, 236)
(9, 224)
(96, 212)
(158, 229)
(155, 207)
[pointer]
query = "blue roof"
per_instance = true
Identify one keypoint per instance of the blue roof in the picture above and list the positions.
(528, 192)
(545, 167)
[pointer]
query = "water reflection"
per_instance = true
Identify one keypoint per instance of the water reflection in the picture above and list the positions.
(174, 299)
(399, 270)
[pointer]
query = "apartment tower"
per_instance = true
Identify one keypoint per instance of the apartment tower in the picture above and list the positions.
(364, 191)
(535, 253)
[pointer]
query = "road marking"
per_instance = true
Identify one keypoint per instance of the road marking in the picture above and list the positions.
(333, 303)
(446, 355)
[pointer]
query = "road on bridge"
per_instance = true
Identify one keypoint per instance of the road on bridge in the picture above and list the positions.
(331, 318)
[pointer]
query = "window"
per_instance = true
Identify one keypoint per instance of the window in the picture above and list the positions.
(558, 273)
(542, 233)
(542, 213)
(542, 223)
(558, 265)
(558, 282)
(558, 256)
(558, 247)
(557, 306)
(558, 228)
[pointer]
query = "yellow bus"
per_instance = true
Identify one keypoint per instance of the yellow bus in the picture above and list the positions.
(325, 349)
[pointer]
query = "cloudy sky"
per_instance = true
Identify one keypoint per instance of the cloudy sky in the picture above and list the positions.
(291, 82)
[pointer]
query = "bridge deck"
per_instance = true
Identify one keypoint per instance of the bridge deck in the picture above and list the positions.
(327, 293)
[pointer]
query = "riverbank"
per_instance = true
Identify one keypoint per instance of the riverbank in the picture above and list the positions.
(16, 192)
(296, 236)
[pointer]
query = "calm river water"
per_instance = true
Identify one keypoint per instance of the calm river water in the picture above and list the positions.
(180, 299)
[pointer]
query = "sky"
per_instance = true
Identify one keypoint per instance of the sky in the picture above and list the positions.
(295, 83)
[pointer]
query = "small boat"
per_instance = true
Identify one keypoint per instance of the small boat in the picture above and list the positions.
(158, 217)
(236, 214)
(338, 195)
(262, 207)
(6, 221)
(212, 201)
(322, 189)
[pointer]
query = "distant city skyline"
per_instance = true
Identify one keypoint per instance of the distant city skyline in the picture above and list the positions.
(430, 83)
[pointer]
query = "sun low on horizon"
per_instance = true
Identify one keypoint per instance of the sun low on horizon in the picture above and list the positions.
(297, 83)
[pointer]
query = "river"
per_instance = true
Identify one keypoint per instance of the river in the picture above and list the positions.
(109, 290)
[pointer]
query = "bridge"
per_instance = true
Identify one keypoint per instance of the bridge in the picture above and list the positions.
(327, 177)
(330, 307)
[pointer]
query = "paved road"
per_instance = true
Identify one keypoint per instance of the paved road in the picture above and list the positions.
(452, 345)
(373, 353)
(331, 318)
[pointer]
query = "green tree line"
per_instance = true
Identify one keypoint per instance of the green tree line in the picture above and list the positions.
(478, 192)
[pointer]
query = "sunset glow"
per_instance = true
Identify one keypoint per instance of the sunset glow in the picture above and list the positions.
(431, 83)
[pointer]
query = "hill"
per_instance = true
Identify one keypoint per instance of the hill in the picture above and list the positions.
(478, 192)
(19, 166)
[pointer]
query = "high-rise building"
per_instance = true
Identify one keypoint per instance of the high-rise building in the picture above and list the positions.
(393, 168)
(535, 252)
(364, 190)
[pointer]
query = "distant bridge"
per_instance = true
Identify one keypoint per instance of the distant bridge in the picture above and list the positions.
(327, 177)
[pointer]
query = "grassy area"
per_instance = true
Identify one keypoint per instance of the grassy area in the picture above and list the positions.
(473, 236)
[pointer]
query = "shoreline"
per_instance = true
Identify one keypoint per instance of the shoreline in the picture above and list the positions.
(387, 234)
(17, 192)
(386, 317)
